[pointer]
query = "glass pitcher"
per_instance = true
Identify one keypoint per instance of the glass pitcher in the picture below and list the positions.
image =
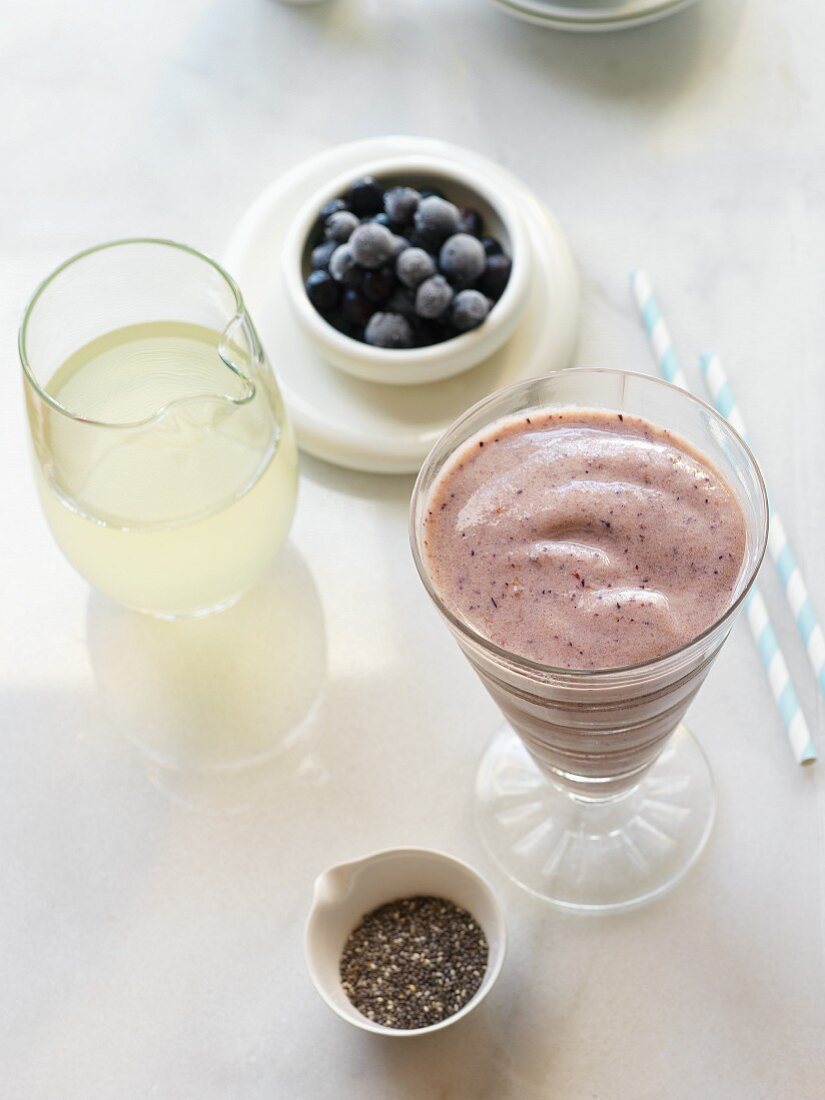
(164, 460)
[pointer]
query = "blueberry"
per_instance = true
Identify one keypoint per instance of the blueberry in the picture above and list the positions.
(491, 246)
(436, 216)
(403, 302)
(470, 221)
(343, 268)
(431, 192)
(462, 259)
(366, 197)
(428, 239)
(322, 291)
(496, 274)
(470, 307)
(401, 203)
(428, 333)
(433, 297)
(321, 255)
(331, 207)
(414, 266)
(378, 285)
(339, 226)
(383, 219)
(356, 307)
(389, 330)
(371, 244)
(444, 329)
(399, 244)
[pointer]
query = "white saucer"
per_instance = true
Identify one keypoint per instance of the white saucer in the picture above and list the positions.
(390, 429)
(598, 15)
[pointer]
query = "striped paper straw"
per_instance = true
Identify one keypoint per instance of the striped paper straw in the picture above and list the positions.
(756, 611)
(779, 545)
(779, 678)
(657, 331)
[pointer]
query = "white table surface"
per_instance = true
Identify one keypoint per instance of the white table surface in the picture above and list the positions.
(151, 920)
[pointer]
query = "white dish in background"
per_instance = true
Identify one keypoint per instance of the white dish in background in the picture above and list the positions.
(390, 429)
(414, 366)
(348, 892)
(608, 15)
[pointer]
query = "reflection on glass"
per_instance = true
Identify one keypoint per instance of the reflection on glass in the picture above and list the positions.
(207, 702)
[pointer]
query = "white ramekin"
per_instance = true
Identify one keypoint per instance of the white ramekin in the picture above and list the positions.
(464, 185)
(344, 894)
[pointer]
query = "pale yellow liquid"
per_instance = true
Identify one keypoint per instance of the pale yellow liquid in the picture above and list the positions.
(181, 514)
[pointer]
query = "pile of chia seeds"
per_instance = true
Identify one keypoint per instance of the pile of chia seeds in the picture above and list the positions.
(413, 962)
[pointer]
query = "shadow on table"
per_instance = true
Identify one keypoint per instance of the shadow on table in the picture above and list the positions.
(464, 1060)
(657, 59)
(213, 705)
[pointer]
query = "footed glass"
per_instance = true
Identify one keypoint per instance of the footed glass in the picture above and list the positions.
(164, 460)
(594, 795)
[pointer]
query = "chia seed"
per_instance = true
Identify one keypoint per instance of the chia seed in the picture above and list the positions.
(413, 962)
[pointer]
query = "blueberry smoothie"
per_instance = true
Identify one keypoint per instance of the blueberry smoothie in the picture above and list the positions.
(583, 539)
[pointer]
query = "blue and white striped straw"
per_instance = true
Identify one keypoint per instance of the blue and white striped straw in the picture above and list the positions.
(657, 331)
(779, 677)
(756, 612)
(779, 545)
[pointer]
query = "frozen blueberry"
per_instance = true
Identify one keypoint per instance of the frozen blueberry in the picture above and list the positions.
(401, 204)
(462, 259)
(470, 221)
(403, 302)
(356, 307)
(414, 266)
(470, 307)
(331, 207)
(428, 239)
(321, 255)
(366, 197)
(491, 246)
(427, 333)
(437, 216)
(371, 244)
(322, 291)
(339, 226)
(389, 330)
(495, 277)
(399, 244)
(430, 192)
(378, 285)
(383, 219)
(343, 268)
(433, 297)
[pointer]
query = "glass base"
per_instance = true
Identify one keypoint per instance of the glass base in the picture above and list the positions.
(185, 616)
(595, 855)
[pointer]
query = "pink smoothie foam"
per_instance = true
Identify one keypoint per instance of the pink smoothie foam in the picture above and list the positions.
(583, 539)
